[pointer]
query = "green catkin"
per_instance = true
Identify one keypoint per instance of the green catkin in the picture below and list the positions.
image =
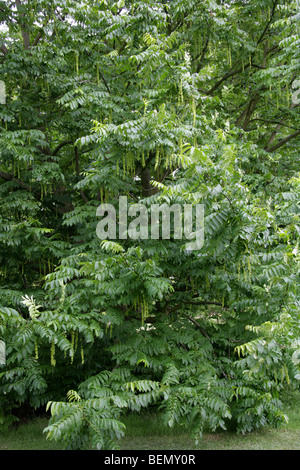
(249, 269)
(76, 341)
(180, 145)
(144, 308)
(180, 94)
(117, 168)
(245, 271)
(282, 374)
(77, 62)
(36, 351)
(171, 161)
(157, 159)
(229, 55)
(194, 111)
(82, 354)
(52, 354)
(72, 345)
(124, 165)
(239, 271)
(128, 162)
(101, 194)
(143, 158)
(98, 77)
(286, 374)
(167, 161)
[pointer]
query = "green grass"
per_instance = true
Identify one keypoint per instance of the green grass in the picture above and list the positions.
(147, 433)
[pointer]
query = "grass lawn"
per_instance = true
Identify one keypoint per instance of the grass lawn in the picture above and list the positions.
(147, 433)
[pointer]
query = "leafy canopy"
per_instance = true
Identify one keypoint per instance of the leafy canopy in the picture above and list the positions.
(187, 102)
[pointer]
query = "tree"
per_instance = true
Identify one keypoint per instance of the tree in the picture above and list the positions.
(162, 102)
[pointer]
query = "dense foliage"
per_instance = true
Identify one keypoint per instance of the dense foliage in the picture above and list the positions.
(162, 102)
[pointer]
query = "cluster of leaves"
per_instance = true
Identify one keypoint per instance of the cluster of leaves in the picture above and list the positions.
(138, 99)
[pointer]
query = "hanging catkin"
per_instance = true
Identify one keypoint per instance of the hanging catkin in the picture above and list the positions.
(76, 341)
(36, 351)
(157, 159)
(82, 354)
(194, 110)
(72, 345)
(249, 269)
(245, 271)
(167, 160)
(180, 145)
(144, 308)
(77, 62)
(52, 354)
(124, 165)
(180, 93)
(98, 77)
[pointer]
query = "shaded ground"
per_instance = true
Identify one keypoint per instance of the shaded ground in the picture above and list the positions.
(147, 433)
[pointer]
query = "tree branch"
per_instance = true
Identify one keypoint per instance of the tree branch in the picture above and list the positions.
(62, 144)
(198, 326)
(10, 177)
(283, 141)
(228, 75)
(4, 49)
(25, 34)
